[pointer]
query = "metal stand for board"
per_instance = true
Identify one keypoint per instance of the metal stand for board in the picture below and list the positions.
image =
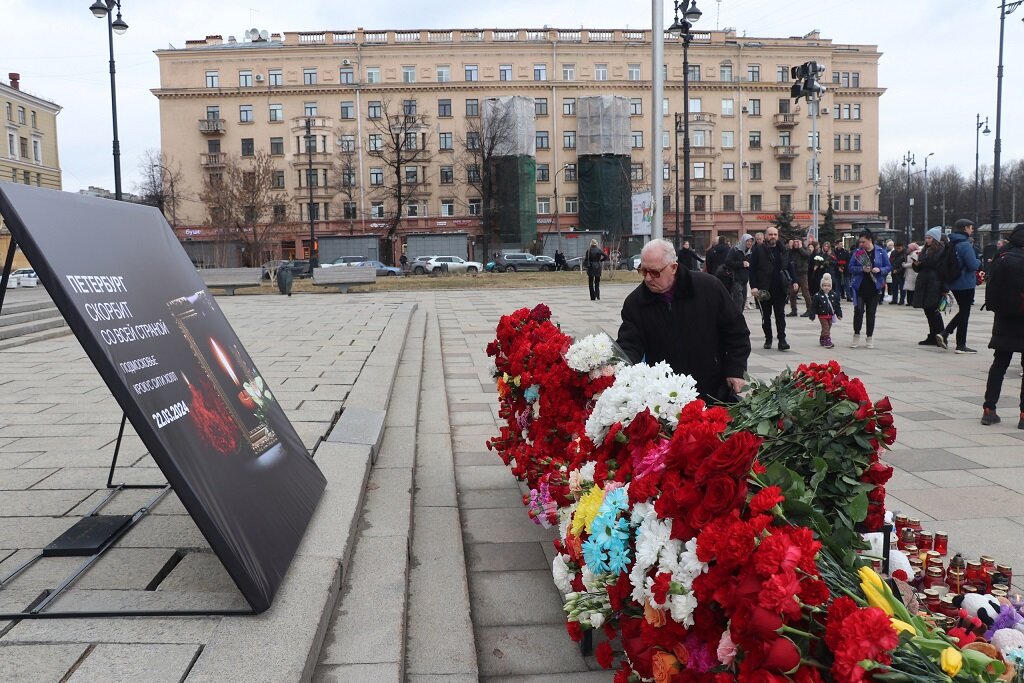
(92, 536)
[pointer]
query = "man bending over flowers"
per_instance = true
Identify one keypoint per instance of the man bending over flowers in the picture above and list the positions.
(688, 319)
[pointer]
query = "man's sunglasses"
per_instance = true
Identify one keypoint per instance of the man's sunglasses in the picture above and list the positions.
(644, 272)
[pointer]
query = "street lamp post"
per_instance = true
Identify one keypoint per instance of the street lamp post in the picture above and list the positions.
(163, 200)
(310, 146)
(926, 226)
(679, 129)
(977, 141)
(908, 161)
(1004, 9)
(554, 179)
(100, 9)
(683, 25)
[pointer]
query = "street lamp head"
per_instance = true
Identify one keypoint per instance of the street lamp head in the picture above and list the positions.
(99, 9)
(692, 14)
(119, 25)
(986, 131)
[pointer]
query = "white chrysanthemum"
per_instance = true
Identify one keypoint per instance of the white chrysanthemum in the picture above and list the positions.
(587, 472)
(682, 607)
(651, 537)
(589, 579)
(562, 575)
(688, 561)
(590, 352)
(639, 512)
(565, 519)
(636, 388)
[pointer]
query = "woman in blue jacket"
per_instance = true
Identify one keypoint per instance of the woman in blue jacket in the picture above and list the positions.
(963, 286)
(868, 267)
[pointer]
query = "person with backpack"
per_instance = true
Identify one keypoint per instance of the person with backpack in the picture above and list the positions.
(801, 259)
(593, 261)
(738, 262)
(928, 289)
(1004, 296)
(958, 270)
(869, 266)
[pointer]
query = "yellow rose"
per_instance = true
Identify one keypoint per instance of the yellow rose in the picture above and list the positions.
(951, 661)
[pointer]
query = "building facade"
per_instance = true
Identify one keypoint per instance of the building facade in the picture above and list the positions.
(222, 102)
(30, 152)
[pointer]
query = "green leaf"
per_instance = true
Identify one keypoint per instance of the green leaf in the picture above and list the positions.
(859, 507)
(764, 427)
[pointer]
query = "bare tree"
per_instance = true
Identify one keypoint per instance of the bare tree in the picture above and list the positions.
(402, 147)
(345, 172)
(244, 206)
(161, 184)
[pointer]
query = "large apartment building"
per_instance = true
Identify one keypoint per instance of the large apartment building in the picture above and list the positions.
(752, 146)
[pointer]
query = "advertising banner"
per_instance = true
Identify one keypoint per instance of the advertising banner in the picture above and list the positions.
(176, 367)
(643, 213)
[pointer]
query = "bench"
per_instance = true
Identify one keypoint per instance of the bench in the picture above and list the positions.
(230, 279)
(344, 277)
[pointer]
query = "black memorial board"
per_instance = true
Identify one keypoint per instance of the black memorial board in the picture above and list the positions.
(161, 343)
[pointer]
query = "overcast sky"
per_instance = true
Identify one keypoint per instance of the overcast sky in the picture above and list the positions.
(938, 64)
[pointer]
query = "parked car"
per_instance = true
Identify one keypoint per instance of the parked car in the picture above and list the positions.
(23, 277)
(454, 264)
(523, 261)
(382, 270)
(631, 263)
(547, 259)
(575, 263)
(418, 266)
(345, 261)
(298, 267)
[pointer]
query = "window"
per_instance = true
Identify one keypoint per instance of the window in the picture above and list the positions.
(312, 178)
(755, 202)
(473, 173)
(447, 207)
(443, 74)
(277, 146)
(12, 146)
(410, 141)
(784, 106)
(373, 110)
(633, 72)
(310, 109)
(472, 72)
(375, 142)
(275, 77)
(754, 139)
(698, 138)
(245, 113)
(855, 82)
(540, 72)
(700, 203)
(376, 209)
(782, 73)
(542, 140)
(447, 175)
(409, 107)
(837, 171)
(570, 172)
(10, 111)
(543, 205)
(836, 202)
(813, 140)
(472, 140)
(785, 202)
(413, 209)
(248, 148)
(212, 79)
(348, 210)
(785, 139)
(572, 205)
(373, 74)
(856, 202)
(309, 76)
(785, 170)
(725, 71)
(543, 174)
(846, 202)
(348, 110)
(444, 108)
(700, 171)
(753, 73)
(505, 72)
(664, 106)
(474, 206)
(636, 171)
(693, 72)
(569, 106)
(277, 180)
(24, 150)
(666, 171)
(856, 112)
(213, 146)
(728, 139)
(473, 107)
(856, 142)
(727, 107)
(348, 177)
(445, 141)
(411, 175)
(377, 176)
(636, 106)
(277, 112)
(568, 72)
(408, 74)
(569, 139)
(754, 107)
(856, 172)
(637, 137)
(347, 143)
(728, 202)
(837, 142)
(600, 72)
(540, 106)
(346, 76)
(755, 170)
(245, 79)
(729, 171)
(666, 140)
(37, 154)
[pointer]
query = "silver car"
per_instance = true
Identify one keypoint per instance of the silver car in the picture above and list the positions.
(454, 264)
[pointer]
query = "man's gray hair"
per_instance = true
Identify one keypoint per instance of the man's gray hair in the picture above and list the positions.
(663, 248)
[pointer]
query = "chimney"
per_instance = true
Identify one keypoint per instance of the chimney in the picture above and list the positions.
(15, 80)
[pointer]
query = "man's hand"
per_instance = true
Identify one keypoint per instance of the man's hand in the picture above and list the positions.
(753, 291)
(736, 383)
(796, 286)
(746, 264)
(876, 270)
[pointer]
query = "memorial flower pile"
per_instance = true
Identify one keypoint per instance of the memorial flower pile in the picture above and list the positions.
(695, 539)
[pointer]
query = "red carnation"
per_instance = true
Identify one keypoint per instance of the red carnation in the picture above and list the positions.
(765, 499)
(661, 587)
(604, 655)
(575, 632)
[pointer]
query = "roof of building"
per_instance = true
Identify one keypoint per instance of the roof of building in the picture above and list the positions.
(29, 98)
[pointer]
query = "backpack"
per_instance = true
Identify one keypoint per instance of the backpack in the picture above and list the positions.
(1004, 293)
(949, 264)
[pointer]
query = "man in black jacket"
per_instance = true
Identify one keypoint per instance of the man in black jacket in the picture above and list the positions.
(717, 255)
(772, 273)
(687, 319)
(738, 261)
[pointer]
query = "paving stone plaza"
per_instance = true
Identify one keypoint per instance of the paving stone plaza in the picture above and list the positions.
(420, 563)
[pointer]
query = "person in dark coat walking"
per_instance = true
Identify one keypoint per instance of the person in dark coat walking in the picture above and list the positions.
(963, 286)
(593, 261)
(928, 289)
(1004, 296)
(768, 262)
(717, 255)
(687, 319)
(688, 258)
(869, 265)
(738, 261)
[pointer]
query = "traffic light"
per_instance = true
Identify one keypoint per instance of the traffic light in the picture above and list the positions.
(806, 77)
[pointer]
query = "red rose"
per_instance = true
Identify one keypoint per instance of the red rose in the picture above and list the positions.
(643, 428)
(883, 406)
(864, 412)
(720, 494)
(734, 456)
(781, 655)
(884, 420)
(604, 656)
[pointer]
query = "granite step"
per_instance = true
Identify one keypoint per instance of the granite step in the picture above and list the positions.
(21, 329)
(38, 335)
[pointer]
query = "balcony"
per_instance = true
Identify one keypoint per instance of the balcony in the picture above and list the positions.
(785, 151)
(213, 160)
(301, 159)
(785, 120)
(702, 151)
(318, 191)
(316, 123)
(703, 117)
(702, 184)
(211, 126)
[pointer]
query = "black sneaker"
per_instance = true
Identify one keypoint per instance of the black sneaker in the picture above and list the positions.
(927, 342)
(964, 349)
(783, 346)
(989, 417)
(767, 343)
(791, 314)
(1020, 423)
(940, 341)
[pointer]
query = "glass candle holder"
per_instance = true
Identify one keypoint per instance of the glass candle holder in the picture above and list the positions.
(924, 540)
(987, 561)
(1007, 572)
(941, 545)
